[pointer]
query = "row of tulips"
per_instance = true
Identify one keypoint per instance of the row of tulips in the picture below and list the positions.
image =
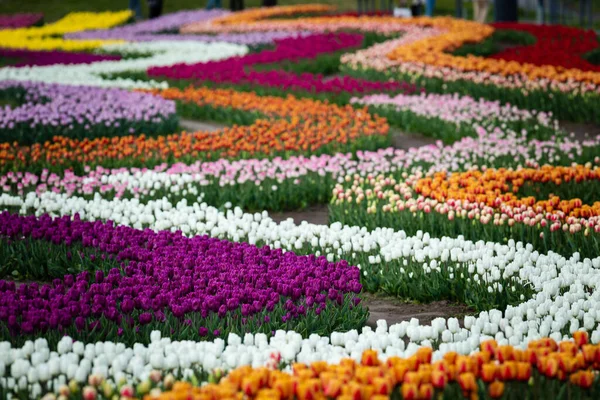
(480, 204)
(493, 372)
(521, 295)
(49, 36)
(21, 20)
(156, 53)
(556, 45)
(158, 29)
(22, 58)
(449, 117)
(298, 181)
(241, 71)
(290, 126)
(293, 126)
(141, 281)
(80, 112)
(105, 369)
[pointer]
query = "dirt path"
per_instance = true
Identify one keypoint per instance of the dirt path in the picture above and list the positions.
(194, 126)
(395, 311)
(582, 131)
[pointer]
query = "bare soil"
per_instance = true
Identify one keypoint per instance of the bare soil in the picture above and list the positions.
(582, 131)
(394, 310)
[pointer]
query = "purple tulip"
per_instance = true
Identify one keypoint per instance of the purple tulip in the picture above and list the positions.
(20, 20)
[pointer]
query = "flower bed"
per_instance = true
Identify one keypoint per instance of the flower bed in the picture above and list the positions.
(239, 71)
(80, 112)
(160, 53)
(450, 117)
(348, 129)
(156, 30)
(187, 288)
(481, 205)
(21, 20)
(558, 46)
(45, 37)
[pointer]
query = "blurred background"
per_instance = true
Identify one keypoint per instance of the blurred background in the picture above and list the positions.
(584, 13)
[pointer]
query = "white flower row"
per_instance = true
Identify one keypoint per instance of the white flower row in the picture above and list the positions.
(566, 290)
(162, 53)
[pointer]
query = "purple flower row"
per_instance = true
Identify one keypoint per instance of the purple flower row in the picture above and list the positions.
(81, 111)
(30, 57)
(158, 28)
(21, 20)
(164, 275)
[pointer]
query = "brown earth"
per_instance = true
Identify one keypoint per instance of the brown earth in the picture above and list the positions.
(394, 310)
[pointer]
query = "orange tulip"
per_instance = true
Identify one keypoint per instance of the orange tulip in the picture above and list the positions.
(467, 382)
(508, 371)
(488, 372)
(369, 357)
(424, 355)
(496, 389)
(410, 391)
(523, 371)
(439, 379)
(580, 337)
(426, 391)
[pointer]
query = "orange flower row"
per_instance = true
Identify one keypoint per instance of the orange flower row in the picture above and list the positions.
(499, 187)
(432, 51)
(293, 125)
(417, 376)
(256, 14)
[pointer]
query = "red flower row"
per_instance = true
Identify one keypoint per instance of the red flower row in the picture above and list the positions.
(556, 45)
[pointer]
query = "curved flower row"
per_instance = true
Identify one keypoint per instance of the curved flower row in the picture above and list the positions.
(294, 126)
(20, 20)
(479, 205)
(81, 112)
(45, 37)
(155, 30)
(160, 53)
(238, 70)
(557, 45)
(552, 295)
(107, 368)
(29, 58)
(287, 183)
(416, 377)
(499, 188)
(186, 287)
(459, 113)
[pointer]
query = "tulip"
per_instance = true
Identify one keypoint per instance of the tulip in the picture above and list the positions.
(127, 391)
(523, 371)
(580, 338)
(439, 379)
(369, 358)
(410, 391)
(496, 389)
(467, 382)
(89, 393)
(426, 391)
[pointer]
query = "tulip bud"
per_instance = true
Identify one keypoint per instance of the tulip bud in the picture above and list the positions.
(127, 391)
(467, 382)
(488, 372)
(64, 390)
(580, 338)
(155, 375)
(143, 388)
(169, 381)
(107, 389)
(496, 389)
(73, 386)
(439, 379)
(410, 391)
(426, 391)
(95, 380)
(89, 393)
(369, 358)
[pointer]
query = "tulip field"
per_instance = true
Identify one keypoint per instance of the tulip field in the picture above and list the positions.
(142, 258)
